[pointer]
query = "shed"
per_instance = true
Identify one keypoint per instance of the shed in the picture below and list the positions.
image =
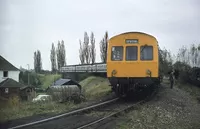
(10, 88)
(27, 93)
(62, 82)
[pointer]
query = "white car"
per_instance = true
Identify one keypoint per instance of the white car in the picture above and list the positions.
(42, 98)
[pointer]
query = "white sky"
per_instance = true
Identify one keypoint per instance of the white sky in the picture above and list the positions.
(28, 25)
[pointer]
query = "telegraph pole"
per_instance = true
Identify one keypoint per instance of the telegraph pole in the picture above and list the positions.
(28, 74)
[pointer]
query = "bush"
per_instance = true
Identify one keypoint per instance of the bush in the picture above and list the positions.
(13, 101)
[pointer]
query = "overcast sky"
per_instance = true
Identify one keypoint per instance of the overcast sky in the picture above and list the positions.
(28, 25)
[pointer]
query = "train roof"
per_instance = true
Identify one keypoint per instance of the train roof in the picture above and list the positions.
(135, 33)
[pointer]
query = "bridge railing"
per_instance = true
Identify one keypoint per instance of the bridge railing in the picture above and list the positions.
(94, 68)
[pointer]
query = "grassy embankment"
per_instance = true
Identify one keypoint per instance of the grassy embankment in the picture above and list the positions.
(94, 87)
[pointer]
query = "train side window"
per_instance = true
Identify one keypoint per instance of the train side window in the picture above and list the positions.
(131, 53)
(117, 53)
(146, 53)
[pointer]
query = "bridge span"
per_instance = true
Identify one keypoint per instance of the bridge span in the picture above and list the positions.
(76, 71)
(83, 68)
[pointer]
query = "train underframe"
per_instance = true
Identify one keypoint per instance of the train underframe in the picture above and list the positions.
(123, 86)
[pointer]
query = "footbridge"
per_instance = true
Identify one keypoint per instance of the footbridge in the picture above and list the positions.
(75, 71)
(92, 68)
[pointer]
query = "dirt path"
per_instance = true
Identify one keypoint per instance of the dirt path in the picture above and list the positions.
(170, 109)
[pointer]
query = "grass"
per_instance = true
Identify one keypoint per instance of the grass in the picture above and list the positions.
(93, 87)
(194, 91)
(48, 79)
(29, 109)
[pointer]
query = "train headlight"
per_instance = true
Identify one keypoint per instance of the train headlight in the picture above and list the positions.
(148, 72)
(114, 72)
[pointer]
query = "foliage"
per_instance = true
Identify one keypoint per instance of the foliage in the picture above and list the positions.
(33, 78)
(47, 80)
(95, 87)
(86, 48)
(103, 48)
(184, 69)
(37, 61)
(81, 53)
(87, 51)
(189, 56)
(29, 109)
(61, 55)
(165, 61)
(93, 50)
(187, 59)
(38, 80)
(53, 58)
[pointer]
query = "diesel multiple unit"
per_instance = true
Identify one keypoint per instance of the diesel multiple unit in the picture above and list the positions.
(132, 61)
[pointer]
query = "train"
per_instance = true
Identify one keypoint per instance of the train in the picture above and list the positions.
(132, 62)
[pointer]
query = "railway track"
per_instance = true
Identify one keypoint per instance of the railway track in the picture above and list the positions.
(128, 107)
(65, 114)
(88, 117)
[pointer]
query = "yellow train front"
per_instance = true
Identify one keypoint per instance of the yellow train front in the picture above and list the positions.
(132, 62)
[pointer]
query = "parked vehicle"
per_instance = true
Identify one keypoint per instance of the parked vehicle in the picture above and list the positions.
(42, 98)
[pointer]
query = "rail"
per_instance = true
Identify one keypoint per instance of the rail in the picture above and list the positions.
(65, 114)
(118, 112)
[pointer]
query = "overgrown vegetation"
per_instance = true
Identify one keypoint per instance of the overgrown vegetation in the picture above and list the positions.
(194, 91)
(38, 80)
(93, 88)
(47, 80)
(15, 110)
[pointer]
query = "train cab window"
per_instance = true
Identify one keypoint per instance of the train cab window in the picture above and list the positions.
(131, 53)
(146, 53)
(117, 53)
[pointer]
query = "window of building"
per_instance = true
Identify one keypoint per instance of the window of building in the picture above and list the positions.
(117, 53)
(5, 73)
(146, 53)
(131, 53)
(6, 90)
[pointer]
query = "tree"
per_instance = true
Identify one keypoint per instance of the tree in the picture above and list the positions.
(58, 52)
(198, 50)
(92, 48)
(53, 58)
(61, 54)
(165, 61)
(103, 48)
(37, 61)
(86, 49)
(81, 53)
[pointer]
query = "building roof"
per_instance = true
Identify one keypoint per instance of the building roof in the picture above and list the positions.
(5, 65)
(9, 82)
(25, 87)
(62, 81)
